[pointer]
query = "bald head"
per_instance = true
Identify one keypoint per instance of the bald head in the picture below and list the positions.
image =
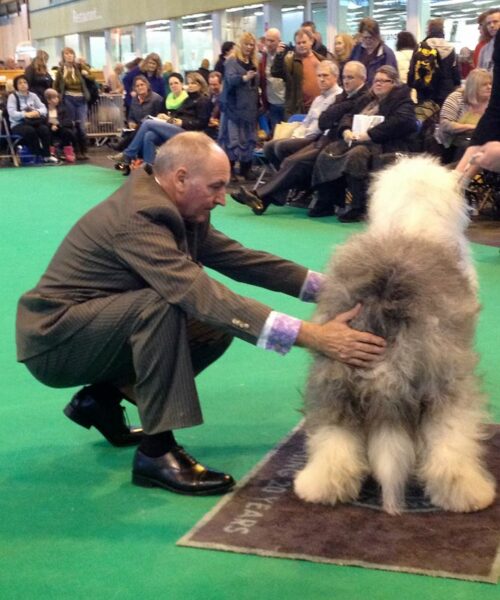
(189, 150)
(272, 39)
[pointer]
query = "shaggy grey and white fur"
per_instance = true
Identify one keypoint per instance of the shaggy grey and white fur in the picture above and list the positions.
(419, 412)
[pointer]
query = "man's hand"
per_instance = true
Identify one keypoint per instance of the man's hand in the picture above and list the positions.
(281, 48)
(338, 341)
(488, 157)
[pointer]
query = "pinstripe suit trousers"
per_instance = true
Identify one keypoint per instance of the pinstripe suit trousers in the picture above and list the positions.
(139, 338)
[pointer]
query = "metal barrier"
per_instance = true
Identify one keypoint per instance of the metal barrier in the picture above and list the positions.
(106, 118)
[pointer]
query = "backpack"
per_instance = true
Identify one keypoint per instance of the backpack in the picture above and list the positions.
(427, 67)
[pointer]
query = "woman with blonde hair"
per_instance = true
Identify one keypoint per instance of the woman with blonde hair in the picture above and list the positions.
(461, 112)
(239, 101)
(344, 43)
(72, 82)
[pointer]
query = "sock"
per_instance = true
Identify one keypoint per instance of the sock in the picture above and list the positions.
(157, 444)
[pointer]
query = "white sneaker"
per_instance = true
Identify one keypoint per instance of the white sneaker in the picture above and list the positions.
(50, 160)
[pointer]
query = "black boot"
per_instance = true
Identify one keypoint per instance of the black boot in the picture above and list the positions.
(357, 210)
(81, 146)
(328, 196)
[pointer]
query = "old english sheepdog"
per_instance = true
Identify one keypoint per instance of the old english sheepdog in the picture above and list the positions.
(418, 413)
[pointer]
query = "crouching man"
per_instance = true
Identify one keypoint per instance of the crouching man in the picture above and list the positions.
(127, 309)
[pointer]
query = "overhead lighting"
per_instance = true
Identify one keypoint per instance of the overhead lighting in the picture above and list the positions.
(246, 7)
(195, 15)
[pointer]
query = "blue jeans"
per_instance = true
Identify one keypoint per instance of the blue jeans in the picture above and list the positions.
(76, 111)
(150, 135)
(275, 114)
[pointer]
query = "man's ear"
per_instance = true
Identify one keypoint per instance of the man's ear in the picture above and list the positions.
(180, 176)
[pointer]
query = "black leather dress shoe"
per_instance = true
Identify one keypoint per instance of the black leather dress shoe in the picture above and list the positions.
(179, 472)
(107, 419)
(243, 196)
(124, 167)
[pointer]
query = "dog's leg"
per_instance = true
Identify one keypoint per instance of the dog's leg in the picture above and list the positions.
(391, 455)
(452, 467)
(335, 468)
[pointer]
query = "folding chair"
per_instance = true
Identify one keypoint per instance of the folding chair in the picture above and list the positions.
(10, 140)
(259, 157)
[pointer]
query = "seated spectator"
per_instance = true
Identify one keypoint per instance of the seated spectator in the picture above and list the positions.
(461, 112)
(168, 69)
(28, 119)
(62, 130)
(151, 68)
(296, 170)
(145, 103)
(114, 82)
(440, 76)
(351, 157)
(192, 114)
(215, 90)
(327, 76)
(37, 75)
(371, 50)
(342, 50)
(297, 69)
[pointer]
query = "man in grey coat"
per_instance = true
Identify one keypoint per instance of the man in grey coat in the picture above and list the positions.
(126, 306)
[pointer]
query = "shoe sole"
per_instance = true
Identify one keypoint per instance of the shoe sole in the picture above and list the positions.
(148, 482)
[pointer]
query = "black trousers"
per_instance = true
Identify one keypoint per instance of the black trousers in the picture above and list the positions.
(35, 137)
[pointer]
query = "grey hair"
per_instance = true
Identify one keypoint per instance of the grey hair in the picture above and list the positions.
(391, 72)
(334, 69)
(359, 66)
(189, 149)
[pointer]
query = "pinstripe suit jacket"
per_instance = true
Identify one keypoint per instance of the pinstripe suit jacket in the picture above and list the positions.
(136, 239)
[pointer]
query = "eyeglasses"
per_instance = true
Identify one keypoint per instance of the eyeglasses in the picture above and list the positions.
(383, 81)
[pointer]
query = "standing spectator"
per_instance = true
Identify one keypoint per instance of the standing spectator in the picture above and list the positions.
(72, 86)
(446, 75)
(27, 116)
(371, 50)
(114, 81)
(461, 112)
(406, 44)
(61, 128)
(204, 69)
(492, 24)
(151, 68)
(225, 51)
(37, 75)
(298, 70)
(318, 45)
(272, 88)
(240, 96)
(215, 90)
(465, 64)
(484, 37)
(342, 49)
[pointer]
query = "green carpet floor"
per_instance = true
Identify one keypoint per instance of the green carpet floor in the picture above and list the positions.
(71, 524)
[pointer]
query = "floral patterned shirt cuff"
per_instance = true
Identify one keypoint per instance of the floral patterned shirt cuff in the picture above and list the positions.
(311, 286)
(279, 332)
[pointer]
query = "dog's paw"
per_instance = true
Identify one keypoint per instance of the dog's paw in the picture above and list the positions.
(311, 486)
(467, 492)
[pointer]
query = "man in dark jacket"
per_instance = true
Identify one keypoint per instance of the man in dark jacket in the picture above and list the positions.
(297, 69)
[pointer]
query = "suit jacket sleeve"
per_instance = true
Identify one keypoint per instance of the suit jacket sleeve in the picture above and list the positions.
(148, 245)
